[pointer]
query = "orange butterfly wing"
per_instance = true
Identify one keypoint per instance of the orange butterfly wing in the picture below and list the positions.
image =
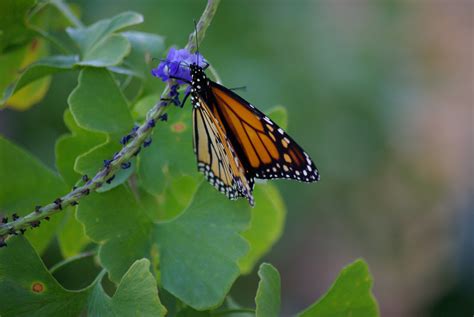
(268, 150)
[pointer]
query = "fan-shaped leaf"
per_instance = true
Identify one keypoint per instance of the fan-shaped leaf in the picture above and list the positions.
(32, 291)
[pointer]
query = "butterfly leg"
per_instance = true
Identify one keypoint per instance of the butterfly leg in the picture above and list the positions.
(167, 100)
(244, 88)
(184, 99)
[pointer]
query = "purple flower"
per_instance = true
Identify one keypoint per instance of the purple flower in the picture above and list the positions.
(177, 64)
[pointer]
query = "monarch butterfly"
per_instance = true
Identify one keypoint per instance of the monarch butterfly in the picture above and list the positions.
(234, 142)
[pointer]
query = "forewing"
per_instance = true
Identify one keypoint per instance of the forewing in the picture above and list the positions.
(268, 149)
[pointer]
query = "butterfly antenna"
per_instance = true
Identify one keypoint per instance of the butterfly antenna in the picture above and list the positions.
(197, 42)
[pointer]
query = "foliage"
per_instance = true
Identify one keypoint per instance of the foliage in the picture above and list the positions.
(348, 296)
(157, 228)
(31, 289)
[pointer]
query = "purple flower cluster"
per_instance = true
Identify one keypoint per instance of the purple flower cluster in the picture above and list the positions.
(177, 64)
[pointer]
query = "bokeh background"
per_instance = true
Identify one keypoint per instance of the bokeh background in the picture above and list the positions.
(380, 93)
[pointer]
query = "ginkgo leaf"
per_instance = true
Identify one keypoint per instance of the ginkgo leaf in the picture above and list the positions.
(25, 183)
(350, 295)
(268, 299)
(98, 104)
(32, 291)
(99, 43)
(200, 247)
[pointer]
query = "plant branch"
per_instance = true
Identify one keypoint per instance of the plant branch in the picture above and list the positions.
(66, 11)
(20, 224)
(202, 25)
(214, 74)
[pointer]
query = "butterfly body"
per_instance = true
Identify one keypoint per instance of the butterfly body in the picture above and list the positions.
(235, 143)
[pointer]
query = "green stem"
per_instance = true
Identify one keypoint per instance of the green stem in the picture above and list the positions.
(66, 11)
(202, 25)
(234, 311)
(64, 262)
(37, 8)
(214, 74)
(124, 156)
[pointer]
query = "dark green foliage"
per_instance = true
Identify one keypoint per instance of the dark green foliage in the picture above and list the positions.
(156, 225)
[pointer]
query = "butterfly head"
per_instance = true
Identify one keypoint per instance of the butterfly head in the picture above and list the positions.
(196, 69)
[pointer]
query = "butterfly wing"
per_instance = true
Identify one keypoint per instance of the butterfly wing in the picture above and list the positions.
(216, 157)
(266, 150)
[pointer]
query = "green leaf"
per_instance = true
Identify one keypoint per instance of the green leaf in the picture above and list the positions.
(108, 52)
(189, 312)
(97, 103)
(136, 295)
(42, 68)
(25, 183)
(143, 105)
(11, 64)
(145, 46)
(92, 161)
(71, 236)
(71, 123)
(168, 170)
(31, 290)
(350, 295)
(120, 223)
(99, 44)
(170, 155)
(13, 29)
(70, 146)
(52, 17)
(266, 226)
(87, 38)
(29, 95)
(176, 197)
(200, 247)
(268, 295)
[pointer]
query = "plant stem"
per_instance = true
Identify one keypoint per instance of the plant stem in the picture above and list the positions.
(202, 25)
(127, 152)
(64, 262)
(66, 11)
(214, 74)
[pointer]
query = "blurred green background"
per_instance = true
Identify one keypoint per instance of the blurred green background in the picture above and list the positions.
(380, 93)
